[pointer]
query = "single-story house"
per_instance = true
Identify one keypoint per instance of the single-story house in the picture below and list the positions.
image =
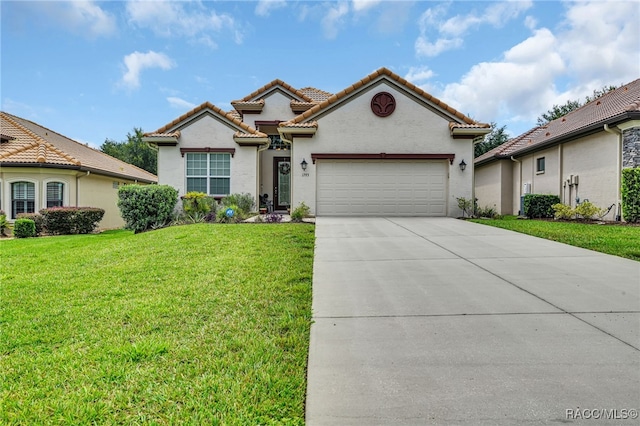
(382, 146)
(40, 168)
(578, 157)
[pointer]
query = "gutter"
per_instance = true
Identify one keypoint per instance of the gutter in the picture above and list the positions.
(617, 132)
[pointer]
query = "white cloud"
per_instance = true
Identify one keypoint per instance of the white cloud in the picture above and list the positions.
(180, 103)
(360, 5)
(418, 75)
(182, 19)
(136, 62)
(450, 31)
(83, 17)
(264, 7)
(334, 19)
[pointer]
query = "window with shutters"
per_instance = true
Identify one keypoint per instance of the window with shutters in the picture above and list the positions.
(23, 198)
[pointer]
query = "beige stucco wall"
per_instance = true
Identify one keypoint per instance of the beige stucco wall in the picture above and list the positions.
(208, 131)
(353, 128)
(593, 158)
(277, 107)
(80, 190)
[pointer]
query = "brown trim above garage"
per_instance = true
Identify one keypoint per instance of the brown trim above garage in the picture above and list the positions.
(231, 151)
(381, 156)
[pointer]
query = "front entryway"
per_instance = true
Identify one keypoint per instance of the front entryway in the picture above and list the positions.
(281, 183)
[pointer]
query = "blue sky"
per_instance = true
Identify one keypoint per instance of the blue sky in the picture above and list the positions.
(93, 70)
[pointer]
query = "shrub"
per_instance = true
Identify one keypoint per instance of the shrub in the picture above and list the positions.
(486, 211)
(539, 205)
(24, 228)
(563, 211)
(465, 205)
(145, 207)
(588, 211)
(38, 219)
(223, 217)
(197, 205)
(631, 194)
(300, 212)
(5, 226)
(273, 218)
(71, 220)
(243, 202)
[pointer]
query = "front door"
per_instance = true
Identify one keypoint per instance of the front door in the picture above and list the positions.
(281, 183)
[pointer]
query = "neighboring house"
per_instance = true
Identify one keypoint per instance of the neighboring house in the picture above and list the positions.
(40, 168)
(577, 157)
(380, 147)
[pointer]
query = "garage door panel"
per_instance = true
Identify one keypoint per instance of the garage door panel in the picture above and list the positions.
(379, 187)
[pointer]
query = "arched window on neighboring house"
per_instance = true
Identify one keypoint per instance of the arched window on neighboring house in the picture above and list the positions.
(55, 194)
(23, 198)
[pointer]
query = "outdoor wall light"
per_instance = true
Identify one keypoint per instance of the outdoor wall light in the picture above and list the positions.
(462, 165)
(303, 164)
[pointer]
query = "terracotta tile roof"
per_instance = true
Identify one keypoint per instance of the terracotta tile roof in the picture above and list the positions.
(316, 95)
(175, 134)
(383, 72)
(232, 118)
(33, 144)
(277, 82)
(248, 105)
(614, 106)
(308, 124)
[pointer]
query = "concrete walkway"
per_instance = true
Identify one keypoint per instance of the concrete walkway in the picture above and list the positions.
(441, 321)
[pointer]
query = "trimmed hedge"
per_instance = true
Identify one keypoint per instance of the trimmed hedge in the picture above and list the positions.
(631, 194)
(37, 218)
(539, 205)
(145, 207)
(24, 228)
(71, 220)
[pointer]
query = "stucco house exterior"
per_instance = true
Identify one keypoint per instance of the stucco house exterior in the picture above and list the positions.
(577, 157)
(382, 146)
(40, 168)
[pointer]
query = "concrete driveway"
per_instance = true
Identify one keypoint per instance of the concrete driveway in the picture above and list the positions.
(441, 321)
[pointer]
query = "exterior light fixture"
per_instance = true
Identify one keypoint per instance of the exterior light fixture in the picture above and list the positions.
(303, 164)
(462, 165)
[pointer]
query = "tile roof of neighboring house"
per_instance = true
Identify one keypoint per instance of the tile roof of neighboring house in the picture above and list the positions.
(277, 82)
(612, 107)
(380, 72)
(32, 143)
(232, 118)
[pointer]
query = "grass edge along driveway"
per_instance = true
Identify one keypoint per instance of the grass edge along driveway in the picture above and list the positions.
(199, 324)
(618, 240)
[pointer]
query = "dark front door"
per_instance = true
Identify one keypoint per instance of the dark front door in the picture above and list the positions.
(281, 183)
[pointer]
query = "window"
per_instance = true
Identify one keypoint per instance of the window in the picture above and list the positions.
(54, 194)
(277, 143)
(540, 165)
(209, 173)
(23, 198)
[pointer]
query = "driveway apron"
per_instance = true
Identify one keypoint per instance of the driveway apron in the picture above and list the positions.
(442, 321)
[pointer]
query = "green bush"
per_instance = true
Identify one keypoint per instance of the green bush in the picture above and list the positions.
(486, 211)
(300, 212)
(24, 228)
(539, 205)
(145, 207)
(631, 194)
(244, 202)
(466, 205)
(37, 218)
(71, 220)
(563, 211)
(197, 206)
(5, 226)
(588, 211)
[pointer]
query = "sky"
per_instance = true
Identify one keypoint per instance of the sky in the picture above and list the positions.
(94, 70)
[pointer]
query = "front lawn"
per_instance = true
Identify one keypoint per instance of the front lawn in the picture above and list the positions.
(619, 240)
(200, 324)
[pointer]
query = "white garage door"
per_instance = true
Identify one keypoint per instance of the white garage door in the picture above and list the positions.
(381, 187)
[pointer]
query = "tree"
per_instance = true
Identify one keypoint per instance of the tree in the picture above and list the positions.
(133, 151)
(495, 138)
(560, 110)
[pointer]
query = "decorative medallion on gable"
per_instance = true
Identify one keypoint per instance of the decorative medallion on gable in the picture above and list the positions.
(383, 104)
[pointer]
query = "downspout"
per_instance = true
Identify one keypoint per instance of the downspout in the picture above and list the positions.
(618, 170)
(259, 169)
(560, 179)
(519, 184)
(78, 186)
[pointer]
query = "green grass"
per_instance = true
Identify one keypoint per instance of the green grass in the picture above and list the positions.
(623, 241)
(200, 324)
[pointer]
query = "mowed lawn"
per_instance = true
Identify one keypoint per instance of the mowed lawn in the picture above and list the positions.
(619, 240)
(200, 324)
